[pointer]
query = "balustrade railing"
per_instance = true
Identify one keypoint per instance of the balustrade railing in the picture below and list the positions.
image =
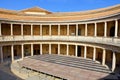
(90, 39)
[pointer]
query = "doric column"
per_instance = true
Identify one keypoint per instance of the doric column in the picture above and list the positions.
(41, 49)
(103, 57)
(67, 49)
(31, 49)
(76, 50)
(31, 29)
(67, 29)
(113, 62)
(49, 48)
(85, 54)
(12, 53)
(41, 29)
(105, 29)
(22, 49)
(116, 28)
(86, 31)
(58, 29)
(0, 30)
(58, 49)
(50, 29)
(11, 26)
(1, 54)
(22, 29)
(76, 29)
(94, 53)
(95, 32)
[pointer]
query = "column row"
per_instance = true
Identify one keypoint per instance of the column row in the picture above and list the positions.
(71, 29)
(41, 46)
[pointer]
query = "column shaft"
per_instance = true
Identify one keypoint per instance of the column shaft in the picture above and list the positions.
(85, 52)
(103, 57)
(67, 49)
(116, 28)
(41, 29)
(49, 48)
(41, 49)
(12, 53)
(94, 54)
(22, 47)
(95, 32)
(76, 29)
(58, 49)
(11, 26)
(86, 31)
(105, 29)
(76, 50)
(31, 49)
(68, 30)
(113, 62)
(1, 53)
(59, 30)
(31, 29)
(22, 29)
(50, 29)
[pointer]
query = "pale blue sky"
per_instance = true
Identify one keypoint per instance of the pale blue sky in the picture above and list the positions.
(58, 5)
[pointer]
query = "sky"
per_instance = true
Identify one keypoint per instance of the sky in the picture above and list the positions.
(58, 5)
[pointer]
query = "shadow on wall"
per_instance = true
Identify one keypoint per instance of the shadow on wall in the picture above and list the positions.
(111, 76)
(6, 74)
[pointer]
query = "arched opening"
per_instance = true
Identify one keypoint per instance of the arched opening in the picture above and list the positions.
(112, 31)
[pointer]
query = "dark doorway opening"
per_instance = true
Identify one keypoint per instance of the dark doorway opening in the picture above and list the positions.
(112, 31)
(36, 52)
(15, 52)
(79, 32)
(79, 51)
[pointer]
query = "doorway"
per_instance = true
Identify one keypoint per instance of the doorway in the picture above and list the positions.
(79, 32)
(79, 51)
(112, 31)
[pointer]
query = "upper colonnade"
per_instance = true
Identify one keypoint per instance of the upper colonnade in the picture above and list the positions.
(95, 26)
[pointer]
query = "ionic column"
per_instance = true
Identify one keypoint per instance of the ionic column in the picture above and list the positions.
(58, 49)
(67, 29)
(94, 54)
(86, 31)
(22, 29)
(22, 49)
(95, 32)
(59, 30)
(67, 49)
(31, 49)
(105, 29)
(11, 26)
(49, 48)
(41, 29)
(41, 49)
(113, 62)
(76, 49)
(1, 54)
(31, 29)
(116, 28)
(103, 57)
(50, 29)
(85, 52)
(0, 29)
(12, 53)
(76, 29)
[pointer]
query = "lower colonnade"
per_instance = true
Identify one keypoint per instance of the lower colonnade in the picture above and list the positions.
(107, 58)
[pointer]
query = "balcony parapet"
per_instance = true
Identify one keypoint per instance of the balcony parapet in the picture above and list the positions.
(100, 40)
